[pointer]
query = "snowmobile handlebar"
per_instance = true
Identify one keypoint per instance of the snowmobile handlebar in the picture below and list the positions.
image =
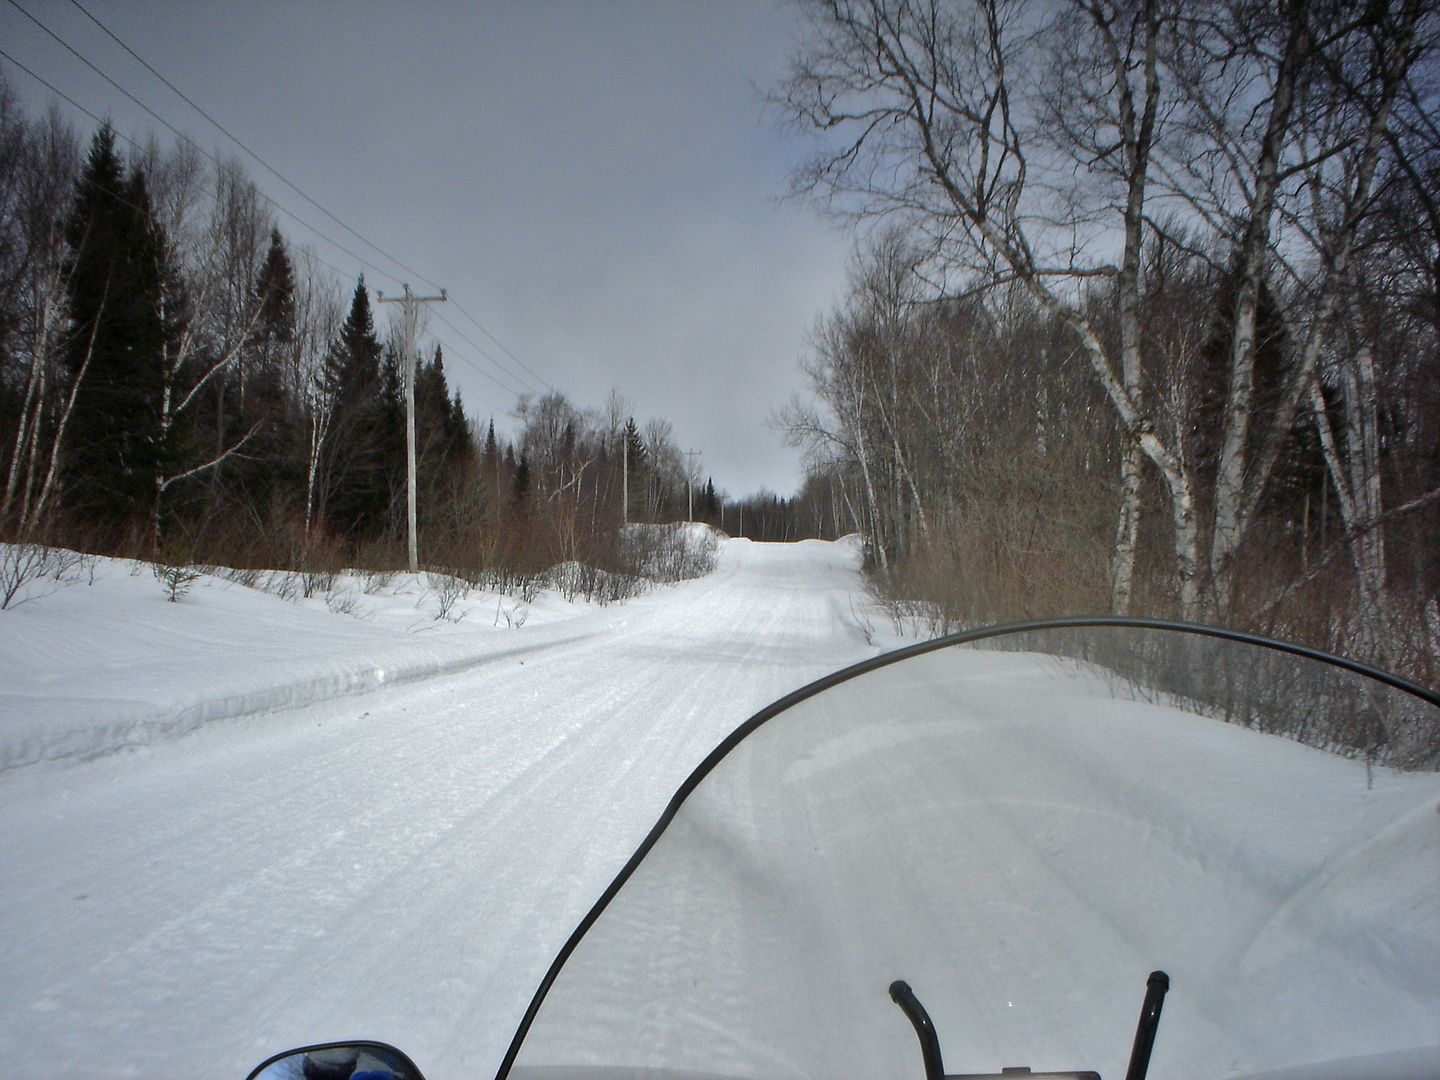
(1156, 986)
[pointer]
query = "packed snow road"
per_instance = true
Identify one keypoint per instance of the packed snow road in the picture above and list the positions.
(400, 864)
(238, 824)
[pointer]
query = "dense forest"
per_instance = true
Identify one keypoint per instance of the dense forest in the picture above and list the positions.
(177, 381)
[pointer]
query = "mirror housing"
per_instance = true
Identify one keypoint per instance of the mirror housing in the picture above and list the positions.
(362, 1060)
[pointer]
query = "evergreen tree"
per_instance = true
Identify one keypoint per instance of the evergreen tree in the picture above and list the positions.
(117, 273)
(390, 446)
(355, 488)
(273, 457)
(460, 447)
(272, 339)
(634, 446)
(433, 432)
(492, 448)
(1299, 473)
(492, 469)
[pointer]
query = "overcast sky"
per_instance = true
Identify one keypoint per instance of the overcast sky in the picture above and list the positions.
(596, 182)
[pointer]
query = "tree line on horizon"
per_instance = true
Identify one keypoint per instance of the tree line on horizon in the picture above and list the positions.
(178, 382)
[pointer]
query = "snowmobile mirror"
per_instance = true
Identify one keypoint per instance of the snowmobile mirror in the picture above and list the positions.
(339, 1061)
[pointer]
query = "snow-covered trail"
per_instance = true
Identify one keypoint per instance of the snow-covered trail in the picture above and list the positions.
(399, 865)
(192, 879)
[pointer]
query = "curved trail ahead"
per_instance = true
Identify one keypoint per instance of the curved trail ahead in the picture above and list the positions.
(399, 865)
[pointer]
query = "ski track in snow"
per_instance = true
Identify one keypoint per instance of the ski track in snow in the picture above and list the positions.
(208, 859)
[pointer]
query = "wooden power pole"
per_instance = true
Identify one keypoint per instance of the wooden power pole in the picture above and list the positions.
(410, 305)
(690, 476)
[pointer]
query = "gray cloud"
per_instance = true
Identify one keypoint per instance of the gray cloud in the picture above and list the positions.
(594, 181)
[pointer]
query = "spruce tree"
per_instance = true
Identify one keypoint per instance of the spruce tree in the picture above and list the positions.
(273, 456)
(432, 415)
(460, 447)
(117, 275)
(1299, 472)
(273, 337)
(492, 467)
(635, 446)
(490, 457)
(355, 490)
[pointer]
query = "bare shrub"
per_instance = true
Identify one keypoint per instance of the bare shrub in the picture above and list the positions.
(596, 584)
(449, 589)
(343, 603)
(22, 564)
(377, 580)
(514, 616)
(248, 576)
(669, 553)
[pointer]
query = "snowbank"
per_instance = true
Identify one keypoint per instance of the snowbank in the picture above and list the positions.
(101, 661)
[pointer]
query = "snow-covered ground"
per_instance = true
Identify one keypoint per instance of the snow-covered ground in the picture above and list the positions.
(200, 876)
(239, 823)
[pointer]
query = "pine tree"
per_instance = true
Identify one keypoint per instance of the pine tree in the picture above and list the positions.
(273, 338)
(635, 446)
(273, 456)
(460, 447)
(354, 488)
(432, 419)
(117, 274)
(1299, 473)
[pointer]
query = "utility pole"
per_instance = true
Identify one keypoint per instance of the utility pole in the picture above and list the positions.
(690, 482)
(625, 478)
(410, 305)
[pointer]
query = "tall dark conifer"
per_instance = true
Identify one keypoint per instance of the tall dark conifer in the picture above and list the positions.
(1299, 474)
(432, 412)
(273, 454)
(273, 337)
(634, 446)
(355, 486)
(117, 277)
(460, 445)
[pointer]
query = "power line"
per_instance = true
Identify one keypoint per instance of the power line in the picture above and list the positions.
(64, 96)
(501, 345)
(455, 329)
(307, 198)
(341, 274)
(224, 131)
(460, 355)
(290, 184)
(189, 141)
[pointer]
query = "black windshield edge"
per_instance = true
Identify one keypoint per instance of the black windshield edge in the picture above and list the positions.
(820, 685)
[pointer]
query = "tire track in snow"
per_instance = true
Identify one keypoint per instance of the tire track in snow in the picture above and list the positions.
(402, 863)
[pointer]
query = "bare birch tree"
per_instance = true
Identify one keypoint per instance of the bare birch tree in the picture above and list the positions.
(1047, 143)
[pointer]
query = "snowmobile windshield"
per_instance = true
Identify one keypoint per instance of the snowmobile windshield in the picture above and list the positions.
(1023, 825)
